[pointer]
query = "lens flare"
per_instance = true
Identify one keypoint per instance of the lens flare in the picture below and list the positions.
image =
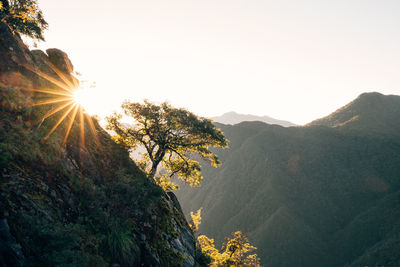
(67, 98)
(80, 97)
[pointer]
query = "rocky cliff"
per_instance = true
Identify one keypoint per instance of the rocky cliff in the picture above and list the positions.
(79, 201)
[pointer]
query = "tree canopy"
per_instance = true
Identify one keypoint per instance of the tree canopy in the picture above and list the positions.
(24, 17)
(171, 137)
(235, 251)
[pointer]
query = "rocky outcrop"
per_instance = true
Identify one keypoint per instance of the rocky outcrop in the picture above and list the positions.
(10, 251)
(13, 53)
(82, 204)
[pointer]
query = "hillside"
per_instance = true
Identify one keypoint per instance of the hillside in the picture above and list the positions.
(326, 194)
(84, 203)
(370, 114)
(235, 118)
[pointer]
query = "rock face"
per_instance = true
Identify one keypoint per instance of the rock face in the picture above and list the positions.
(10, 251)
(13, 52)
(82, 204)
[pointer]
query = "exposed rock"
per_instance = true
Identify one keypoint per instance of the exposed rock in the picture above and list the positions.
(13, 53)
(60, 60)
(75, 200)
(10, 251)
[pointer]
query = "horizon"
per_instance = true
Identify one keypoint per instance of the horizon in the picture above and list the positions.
(290, 61)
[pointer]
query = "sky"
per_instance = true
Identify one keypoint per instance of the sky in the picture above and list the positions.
(288, 59)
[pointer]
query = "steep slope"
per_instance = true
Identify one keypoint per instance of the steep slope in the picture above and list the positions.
(235, 118)
(370, 114)
(84, 203)
(321, 195)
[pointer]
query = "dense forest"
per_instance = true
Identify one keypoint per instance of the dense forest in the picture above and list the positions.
(326, 194)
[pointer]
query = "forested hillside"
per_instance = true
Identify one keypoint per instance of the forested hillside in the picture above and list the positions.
(327, 194)
(69, 195)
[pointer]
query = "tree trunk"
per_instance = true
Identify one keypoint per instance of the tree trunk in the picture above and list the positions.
(153, 170)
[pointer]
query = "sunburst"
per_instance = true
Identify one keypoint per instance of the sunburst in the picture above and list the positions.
(64, 101)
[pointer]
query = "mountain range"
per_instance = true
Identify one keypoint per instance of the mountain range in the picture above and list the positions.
(235, 118)
(325, 194)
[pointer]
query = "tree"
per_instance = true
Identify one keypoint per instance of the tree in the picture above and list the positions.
(195, 220)
(237, 251)
(170, 137)
(234, 252)
(24, 17)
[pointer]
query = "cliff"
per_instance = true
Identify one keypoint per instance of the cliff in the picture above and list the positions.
(79, 201)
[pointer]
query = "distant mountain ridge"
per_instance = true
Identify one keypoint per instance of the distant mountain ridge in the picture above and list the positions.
(326, 194)
(235, 118)
(370, 113)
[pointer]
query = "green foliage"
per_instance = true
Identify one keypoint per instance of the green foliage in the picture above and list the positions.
(235, 252)
(195, 220)
(95, 200)
(119, 242)
(20, 137)
(321, 195)
(24, 17)
(170, 137)
(51, 243)
(238, 249)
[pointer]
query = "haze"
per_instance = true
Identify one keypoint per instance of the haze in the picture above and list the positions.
(292, 60)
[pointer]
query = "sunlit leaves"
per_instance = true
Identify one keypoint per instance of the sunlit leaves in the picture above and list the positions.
(24, 17)
(164, 181)
(235, 252)
(170, 137)
(196, 220)
(208, 247)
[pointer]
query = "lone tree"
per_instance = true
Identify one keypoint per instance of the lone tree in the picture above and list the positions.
(170, 137)
(24, 17)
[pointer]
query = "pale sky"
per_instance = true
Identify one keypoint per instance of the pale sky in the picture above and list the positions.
(289, 59)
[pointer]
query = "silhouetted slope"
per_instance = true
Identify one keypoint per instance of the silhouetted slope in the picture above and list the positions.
(369, 114)
(309, 196)
(85, 203)
(235, 118)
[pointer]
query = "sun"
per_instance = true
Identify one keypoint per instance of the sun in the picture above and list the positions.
(69, 99)
(82, 97)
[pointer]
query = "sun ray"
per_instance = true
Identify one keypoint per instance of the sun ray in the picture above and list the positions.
(62, 75)
(70, 70)
(92, 128)
(71, 121)
(52, 92)
(50, 79)
(82, 126)
(63, 98)
(53, 101)
(55, 111)
(59, 121)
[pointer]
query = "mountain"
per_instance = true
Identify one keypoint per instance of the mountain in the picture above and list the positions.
(326, 194)
(82, 202)
(370, 114)
(235, 118)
